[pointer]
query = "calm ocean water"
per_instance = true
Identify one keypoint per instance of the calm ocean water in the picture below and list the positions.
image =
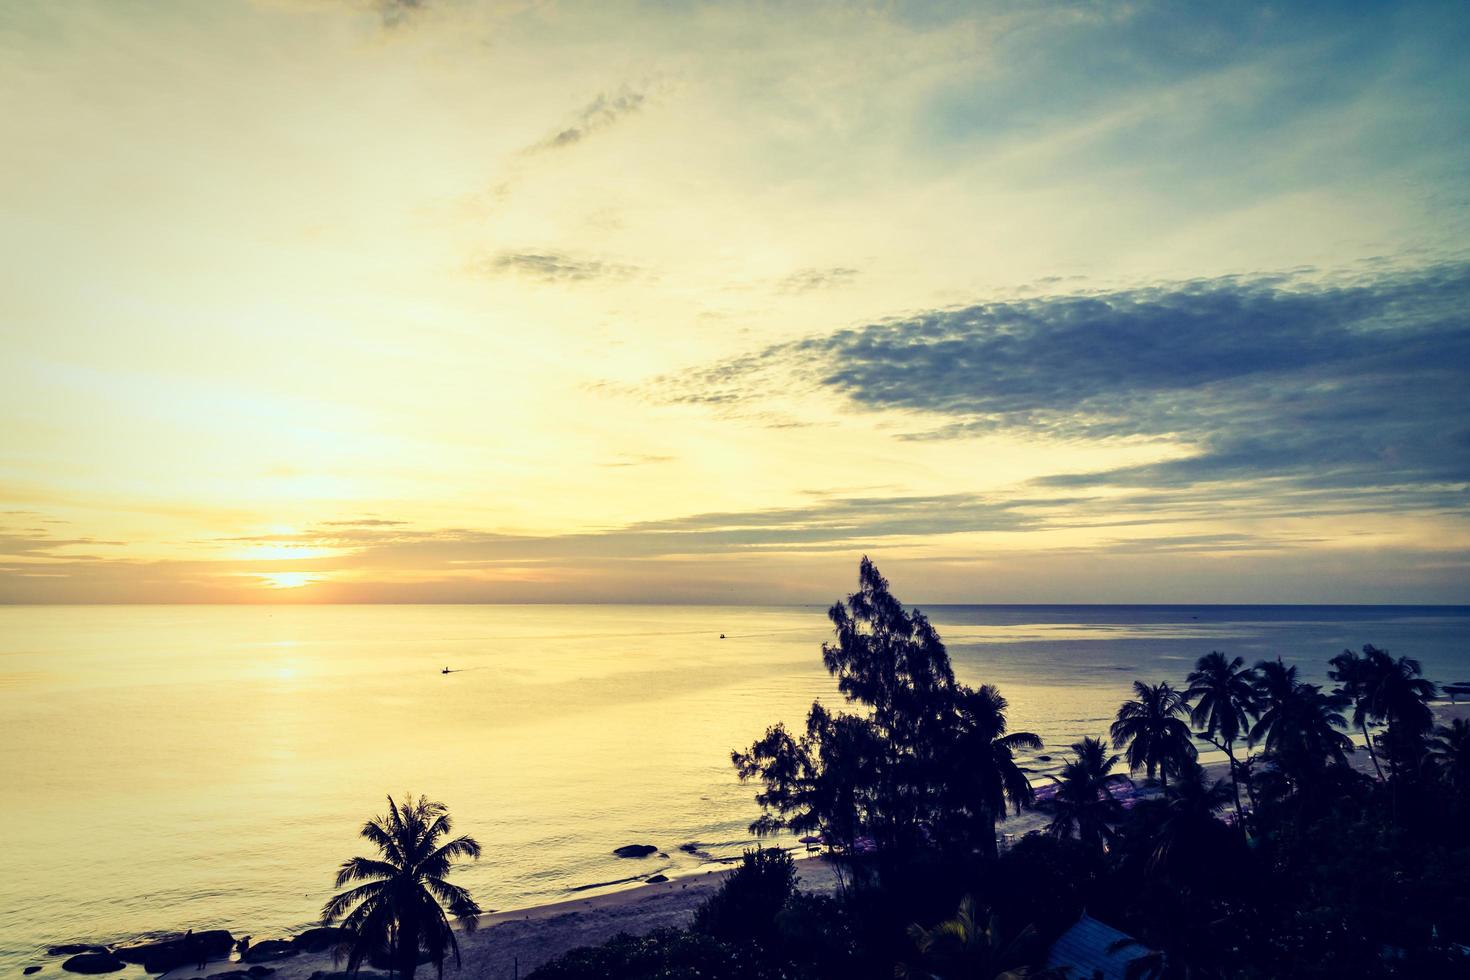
(203, 767)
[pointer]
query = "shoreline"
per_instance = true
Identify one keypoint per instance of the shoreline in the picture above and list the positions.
(513, 942)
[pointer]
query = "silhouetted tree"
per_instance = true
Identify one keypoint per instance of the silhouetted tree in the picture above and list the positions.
(1449, 758)
(745, 909)
(1398, 695)
(892, 662)
(1084, 805)
(822, 782)
(1352, 673)
(927, 757)
(1189, 840)
(400, 910)
(1223, 696)
(1298, 724)
(984, 778)
(969, 946)
(1153, 729)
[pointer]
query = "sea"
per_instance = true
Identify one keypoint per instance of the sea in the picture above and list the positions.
(174, 767)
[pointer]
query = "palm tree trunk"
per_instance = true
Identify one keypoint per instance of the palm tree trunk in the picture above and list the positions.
(988, 847)
(408, 948)
(1235, 788)
(1368, 741)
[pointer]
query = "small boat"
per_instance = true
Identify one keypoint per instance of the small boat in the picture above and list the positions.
(722, 636)
(446, 670)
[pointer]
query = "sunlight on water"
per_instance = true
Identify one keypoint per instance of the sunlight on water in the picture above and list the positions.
(177, 767)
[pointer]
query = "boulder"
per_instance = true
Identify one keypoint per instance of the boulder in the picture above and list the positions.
(320, 939)
(655, 879)
(93, 963)
(31, 969)
(72, 949)
(162, 955)
(258, 971)
(635, 850)
(269, 949)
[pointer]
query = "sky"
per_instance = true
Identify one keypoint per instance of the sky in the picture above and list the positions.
(446, 301)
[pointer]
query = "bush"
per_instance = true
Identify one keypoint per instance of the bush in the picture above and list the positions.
(745, 908)
(665, 954)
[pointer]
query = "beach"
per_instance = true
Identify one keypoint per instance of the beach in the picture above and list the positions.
(514, 942)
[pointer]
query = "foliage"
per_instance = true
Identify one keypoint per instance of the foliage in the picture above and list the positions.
(399, 912)
(984, 777)
(1449, 760)
(927, 760)
(1222, 692)
(969, 946)
(750, 899)
(664, 954)
(1085, 806)
(1153, 730)
(1339, 875)
(1298, 724)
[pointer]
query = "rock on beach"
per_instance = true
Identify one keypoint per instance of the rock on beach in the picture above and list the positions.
(162, 955)
(93, 963)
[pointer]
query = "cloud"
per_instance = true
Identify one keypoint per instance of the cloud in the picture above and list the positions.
(807, 280)
(364, 522)
(37, 544)
(550, 266)
(392, 13)
(1328, 386)
(647, 459)
(398, 12)
(599, 114)
(767, 554)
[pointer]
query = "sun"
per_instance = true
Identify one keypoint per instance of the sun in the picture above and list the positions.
(288, 580)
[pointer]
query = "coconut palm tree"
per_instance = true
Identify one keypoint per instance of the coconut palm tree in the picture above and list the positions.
(969, 948)
(983, 776)
(1449, 755)
(400, 909)
(1084, 802)
(1298, 724)
(1153, 729)
(1354, 681)
(1224, 696)
(1398, 695)
(1190, 833)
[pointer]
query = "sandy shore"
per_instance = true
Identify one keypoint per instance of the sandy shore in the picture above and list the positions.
(515, 942)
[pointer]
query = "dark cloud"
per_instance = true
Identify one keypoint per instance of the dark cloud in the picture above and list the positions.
(551, 266)
(1358, 383)
(600, 113)
(808, 280)
(396, 12)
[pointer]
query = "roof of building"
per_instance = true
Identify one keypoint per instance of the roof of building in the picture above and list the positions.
(1087, 948)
